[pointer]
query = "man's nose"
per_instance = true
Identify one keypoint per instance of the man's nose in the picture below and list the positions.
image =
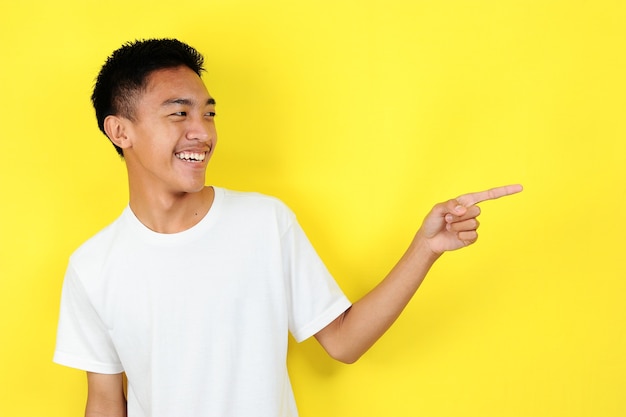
(199, 129)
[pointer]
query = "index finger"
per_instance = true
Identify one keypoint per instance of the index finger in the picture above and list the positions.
(470, 199)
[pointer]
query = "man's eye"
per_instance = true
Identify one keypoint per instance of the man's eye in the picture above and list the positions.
(211, 114)
(180, 113)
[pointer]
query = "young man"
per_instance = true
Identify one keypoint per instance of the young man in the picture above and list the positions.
(192, 291)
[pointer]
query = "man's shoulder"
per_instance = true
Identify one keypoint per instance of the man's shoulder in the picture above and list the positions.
(248, 197)
(252, 200)
(255, 208)
(99, 245)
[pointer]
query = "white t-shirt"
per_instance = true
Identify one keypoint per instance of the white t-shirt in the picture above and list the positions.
(198, 320)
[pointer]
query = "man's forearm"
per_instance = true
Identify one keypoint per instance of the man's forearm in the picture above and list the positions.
(105, 410)
(105, 396)
(353, 333)
(449, 226)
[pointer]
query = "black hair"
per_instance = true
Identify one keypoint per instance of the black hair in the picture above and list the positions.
(125, 73)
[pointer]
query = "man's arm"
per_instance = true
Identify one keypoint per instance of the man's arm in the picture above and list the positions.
(449, 226)
(105, 396)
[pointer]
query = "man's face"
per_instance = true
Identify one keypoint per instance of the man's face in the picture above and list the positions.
(173, 133)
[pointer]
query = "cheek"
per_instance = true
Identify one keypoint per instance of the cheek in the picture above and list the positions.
(158, 138)
(152, 147)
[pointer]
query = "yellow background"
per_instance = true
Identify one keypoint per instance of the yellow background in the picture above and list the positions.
(360, 115)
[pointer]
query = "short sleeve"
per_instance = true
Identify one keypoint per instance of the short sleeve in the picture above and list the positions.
(83, 340)
(315, 299)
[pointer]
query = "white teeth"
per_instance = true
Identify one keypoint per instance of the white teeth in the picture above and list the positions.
(191, 156)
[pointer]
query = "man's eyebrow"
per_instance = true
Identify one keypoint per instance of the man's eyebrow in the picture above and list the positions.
(182, 101)
(186, 102)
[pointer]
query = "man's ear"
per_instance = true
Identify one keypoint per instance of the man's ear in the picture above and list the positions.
(115, 128)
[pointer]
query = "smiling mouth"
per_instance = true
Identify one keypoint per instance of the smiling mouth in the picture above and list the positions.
(191, 156)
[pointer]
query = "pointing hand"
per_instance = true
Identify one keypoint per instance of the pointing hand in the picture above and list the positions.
(452, 225)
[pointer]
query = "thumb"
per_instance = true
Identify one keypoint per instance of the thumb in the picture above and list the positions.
(449, 207)
(443, 213)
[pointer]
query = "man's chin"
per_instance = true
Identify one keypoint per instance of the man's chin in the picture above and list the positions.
(195, 189)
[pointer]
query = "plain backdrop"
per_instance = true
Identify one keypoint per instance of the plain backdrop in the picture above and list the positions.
(360, 115)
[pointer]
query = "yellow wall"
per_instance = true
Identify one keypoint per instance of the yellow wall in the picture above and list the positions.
(360, 115)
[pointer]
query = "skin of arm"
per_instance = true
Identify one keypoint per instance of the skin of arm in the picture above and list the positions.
(105, 396)
(449, 226)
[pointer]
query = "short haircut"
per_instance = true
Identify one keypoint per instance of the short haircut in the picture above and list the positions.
(124, 75)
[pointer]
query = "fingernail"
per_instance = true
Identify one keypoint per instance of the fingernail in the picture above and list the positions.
(459, 209)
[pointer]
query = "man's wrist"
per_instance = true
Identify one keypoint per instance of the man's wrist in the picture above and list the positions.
(421, 249)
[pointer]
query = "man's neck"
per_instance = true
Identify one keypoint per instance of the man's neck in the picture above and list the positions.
(171, 213)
